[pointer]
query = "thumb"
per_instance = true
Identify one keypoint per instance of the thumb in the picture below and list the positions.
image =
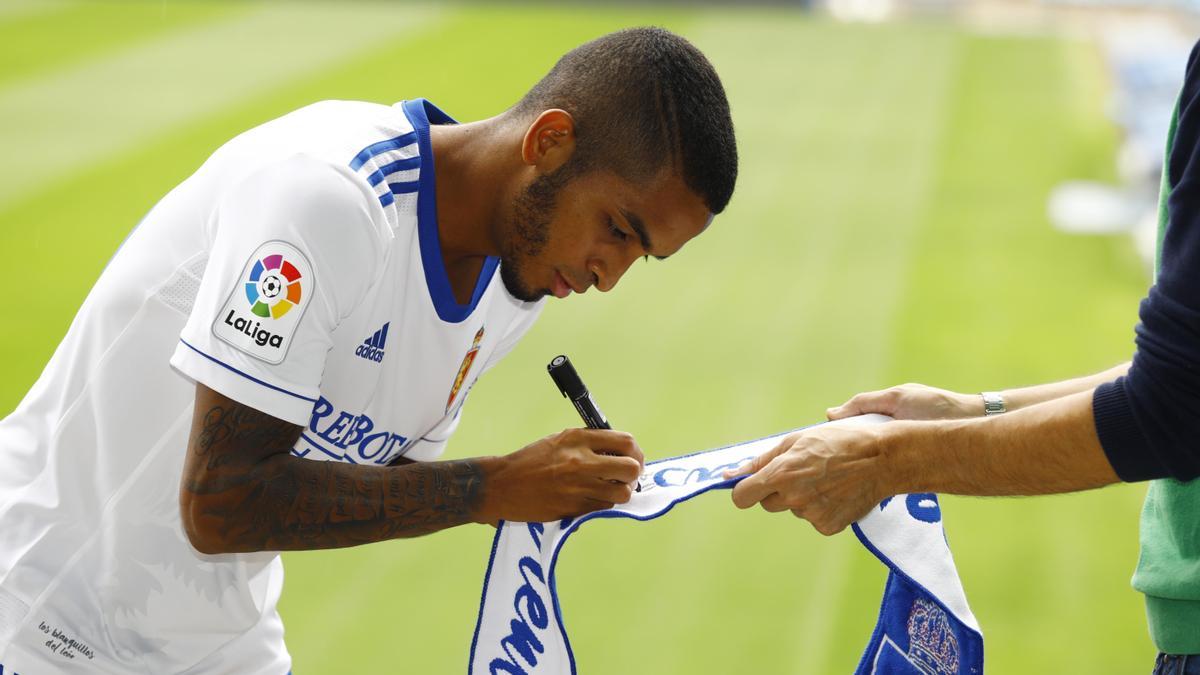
(754, 465)
(746, 469)
(859, 404)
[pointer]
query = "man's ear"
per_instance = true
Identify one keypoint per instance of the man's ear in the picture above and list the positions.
(550, 141)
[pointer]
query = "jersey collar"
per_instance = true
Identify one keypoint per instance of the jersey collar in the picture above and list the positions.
(421, 113)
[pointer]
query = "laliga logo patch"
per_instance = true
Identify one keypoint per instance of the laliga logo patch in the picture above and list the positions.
(274, 287)
(261, 319)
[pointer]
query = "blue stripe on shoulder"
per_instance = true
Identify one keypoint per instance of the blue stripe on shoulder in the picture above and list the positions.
(381, 147)
(404, 188)
(399, 165)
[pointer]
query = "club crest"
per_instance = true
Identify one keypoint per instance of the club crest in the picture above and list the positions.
(932, 645)
(464, 368)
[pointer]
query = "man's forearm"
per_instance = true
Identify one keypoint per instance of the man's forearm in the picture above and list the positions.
(289, 503)
(1046, 448)
(244, 491)
(1023, 397)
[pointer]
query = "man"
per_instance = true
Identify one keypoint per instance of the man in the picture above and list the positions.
(324, 288)
(1137, 421)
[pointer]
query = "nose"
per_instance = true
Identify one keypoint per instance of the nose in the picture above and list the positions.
(608, 271)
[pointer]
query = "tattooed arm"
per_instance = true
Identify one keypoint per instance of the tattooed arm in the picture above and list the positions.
(243, 490)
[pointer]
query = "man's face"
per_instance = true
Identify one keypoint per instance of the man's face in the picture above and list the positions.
(567, 236)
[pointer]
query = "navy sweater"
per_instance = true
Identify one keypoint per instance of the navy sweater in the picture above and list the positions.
(1149, 420)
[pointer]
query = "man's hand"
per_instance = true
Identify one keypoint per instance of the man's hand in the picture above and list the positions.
(911, 402)
(564, 475)
(828, 475)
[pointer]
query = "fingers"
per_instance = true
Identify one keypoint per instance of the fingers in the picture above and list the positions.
(748, 468)
(848, 409)
(602, 495)
(593, 505)
(751, 491)
(607, 441)
(755, 465)
(882, 401)
(773, 503)
(620, 469)
(822, 524)
(613, 493)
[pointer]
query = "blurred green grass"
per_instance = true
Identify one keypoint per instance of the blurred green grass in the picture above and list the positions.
(888, 226)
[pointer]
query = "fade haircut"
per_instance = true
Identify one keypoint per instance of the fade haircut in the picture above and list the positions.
(643, 99)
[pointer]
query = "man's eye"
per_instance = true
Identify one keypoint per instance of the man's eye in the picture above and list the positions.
(616, 231)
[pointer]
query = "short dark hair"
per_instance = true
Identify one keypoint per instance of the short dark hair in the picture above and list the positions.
(644, 99)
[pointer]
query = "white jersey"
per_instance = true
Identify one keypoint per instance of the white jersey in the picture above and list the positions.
(298, 271)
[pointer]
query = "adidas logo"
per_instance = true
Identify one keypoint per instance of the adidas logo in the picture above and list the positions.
(372, 348)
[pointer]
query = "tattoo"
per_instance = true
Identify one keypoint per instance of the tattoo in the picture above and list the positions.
(242, 483)
(233, 432)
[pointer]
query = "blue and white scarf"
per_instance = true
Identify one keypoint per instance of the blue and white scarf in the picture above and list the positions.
(925, 625)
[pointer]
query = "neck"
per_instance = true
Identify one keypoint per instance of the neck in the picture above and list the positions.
(468, 166)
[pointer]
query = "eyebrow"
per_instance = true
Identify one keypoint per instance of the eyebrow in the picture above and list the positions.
(639, 227)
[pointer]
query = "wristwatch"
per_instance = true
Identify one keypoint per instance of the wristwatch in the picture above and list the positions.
(993, 403)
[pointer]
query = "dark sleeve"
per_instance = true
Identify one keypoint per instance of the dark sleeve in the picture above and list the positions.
(1149, 420)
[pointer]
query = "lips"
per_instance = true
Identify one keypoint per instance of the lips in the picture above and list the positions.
(561, 288)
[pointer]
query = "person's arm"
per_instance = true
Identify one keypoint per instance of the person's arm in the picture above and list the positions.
(921, 402)
(832, 475)
(243, 490)
(1016, 399)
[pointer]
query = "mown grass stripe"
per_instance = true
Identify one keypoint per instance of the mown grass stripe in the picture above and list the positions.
(59, 124)
(13, 9)
(59, 35)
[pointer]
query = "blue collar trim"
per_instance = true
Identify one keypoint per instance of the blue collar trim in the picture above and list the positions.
(421, 114)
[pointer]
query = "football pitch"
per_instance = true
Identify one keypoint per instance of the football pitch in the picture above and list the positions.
(889, 225)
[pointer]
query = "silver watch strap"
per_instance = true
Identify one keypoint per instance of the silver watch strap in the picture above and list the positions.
(993, 403)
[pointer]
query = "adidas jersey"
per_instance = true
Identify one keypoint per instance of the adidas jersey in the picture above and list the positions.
(297, 271)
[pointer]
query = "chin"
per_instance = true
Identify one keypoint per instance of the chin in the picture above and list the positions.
(516, 287)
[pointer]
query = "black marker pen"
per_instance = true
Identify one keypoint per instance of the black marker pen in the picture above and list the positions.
(572, 387)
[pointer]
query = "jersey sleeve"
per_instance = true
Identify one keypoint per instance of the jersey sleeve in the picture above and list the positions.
(293, 249)
(1148, 420)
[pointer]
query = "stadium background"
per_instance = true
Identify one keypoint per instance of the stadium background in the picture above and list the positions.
(889, 225)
